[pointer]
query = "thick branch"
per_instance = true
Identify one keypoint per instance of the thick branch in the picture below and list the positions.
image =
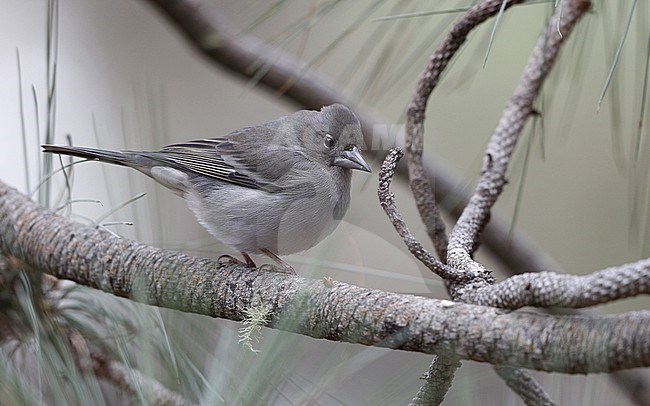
(464, 237)
(334, 311)
(546, 289)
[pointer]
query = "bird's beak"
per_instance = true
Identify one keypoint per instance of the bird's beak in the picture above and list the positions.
(351, 159)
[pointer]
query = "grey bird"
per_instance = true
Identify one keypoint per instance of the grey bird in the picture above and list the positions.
(276, 188)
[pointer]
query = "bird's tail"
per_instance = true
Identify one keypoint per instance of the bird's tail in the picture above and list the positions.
(113, 157)
(142, 161)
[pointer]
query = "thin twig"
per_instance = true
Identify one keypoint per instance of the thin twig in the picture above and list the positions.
(387, 200)
(127, 379)
(134, 382)
(438, 381)
(524, 385)
(464, 238)
(418, 179)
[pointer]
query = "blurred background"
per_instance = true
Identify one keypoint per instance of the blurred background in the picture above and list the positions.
(126, 79)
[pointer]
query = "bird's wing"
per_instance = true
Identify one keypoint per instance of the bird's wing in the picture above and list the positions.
(241, 158)
(201, 157)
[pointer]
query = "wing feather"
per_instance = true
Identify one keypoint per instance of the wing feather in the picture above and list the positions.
(240, 158)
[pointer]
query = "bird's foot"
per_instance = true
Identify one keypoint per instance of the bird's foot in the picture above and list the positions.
(248, 262)
(229, 259)
(284, 267)
(279, 269)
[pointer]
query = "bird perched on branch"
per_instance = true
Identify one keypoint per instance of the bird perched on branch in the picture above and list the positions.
(276, 188)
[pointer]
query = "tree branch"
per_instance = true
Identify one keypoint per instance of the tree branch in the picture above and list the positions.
(524, 385)
(438, 381)
(418, 179)
(387, 200)
(464, 236)
(134, 382)
(546, 289)
(440, 375)
(329, 310)
(204, 28)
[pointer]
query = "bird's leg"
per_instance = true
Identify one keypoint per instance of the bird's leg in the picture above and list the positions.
(249, 261)
(286, 268)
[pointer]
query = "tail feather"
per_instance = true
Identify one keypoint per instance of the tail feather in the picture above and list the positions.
(113, 157)
(140, 160)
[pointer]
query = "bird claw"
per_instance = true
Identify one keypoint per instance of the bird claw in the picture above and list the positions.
(279, 269)
(283, 268)
(230, 260)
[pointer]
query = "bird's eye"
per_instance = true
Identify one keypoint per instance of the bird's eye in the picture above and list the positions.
(329, 141)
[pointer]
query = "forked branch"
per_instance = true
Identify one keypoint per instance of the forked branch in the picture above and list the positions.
(464, 237)
(418, 179)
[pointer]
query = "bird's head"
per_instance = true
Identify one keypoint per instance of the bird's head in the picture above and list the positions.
(336, 135)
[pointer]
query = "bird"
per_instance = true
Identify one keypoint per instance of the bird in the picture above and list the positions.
(276, 188)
